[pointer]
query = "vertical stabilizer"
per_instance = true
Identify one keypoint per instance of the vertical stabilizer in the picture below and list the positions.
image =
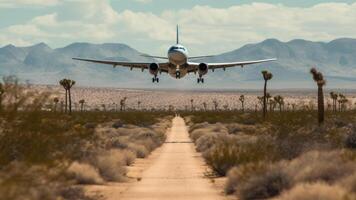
(177, 34)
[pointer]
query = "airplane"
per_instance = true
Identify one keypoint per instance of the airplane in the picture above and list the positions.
(178, 63)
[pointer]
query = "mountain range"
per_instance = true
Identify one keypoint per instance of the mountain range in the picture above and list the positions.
(40, 64)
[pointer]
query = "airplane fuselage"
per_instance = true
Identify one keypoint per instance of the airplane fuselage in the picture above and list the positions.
(178, 58)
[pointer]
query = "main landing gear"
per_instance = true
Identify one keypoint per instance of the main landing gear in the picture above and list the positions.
(200, 80)
(155, 79)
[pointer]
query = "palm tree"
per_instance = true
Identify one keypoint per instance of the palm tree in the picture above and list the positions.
(319, 79)
(242, 100)
(280, 101)
(266, 76)
(334, 97)
(55, 100)
(192, 104)
(81, 102)
(64, 83)
(2, 92)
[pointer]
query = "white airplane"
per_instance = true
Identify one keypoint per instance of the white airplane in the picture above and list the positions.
(178, 64)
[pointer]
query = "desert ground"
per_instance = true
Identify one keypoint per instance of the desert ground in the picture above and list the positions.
(150, 150)
(109, 98)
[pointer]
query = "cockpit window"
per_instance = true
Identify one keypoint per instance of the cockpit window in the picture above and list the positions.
(176, 48)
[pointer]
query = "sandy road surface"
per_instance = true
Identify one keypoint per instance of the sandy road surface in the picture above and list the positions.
(176, 173)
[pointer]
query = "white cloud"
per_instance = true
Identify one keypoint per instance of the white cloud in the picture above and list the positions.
(204, 29)
(17, 3)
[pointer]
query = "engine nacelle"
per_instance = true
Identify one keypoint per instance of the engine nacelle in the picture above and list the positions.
(153, 68)
(202, 69)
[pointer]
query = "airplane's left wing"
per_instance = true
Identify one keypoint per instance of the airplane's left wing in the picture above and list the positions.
(140, 65)
(230, 64)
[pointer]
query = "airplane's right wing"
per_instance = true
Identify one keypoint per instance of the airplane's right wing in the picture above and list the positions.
(140, 65)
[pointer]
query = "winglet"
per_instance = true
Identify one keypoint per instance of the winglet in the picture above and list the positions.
(177, 34)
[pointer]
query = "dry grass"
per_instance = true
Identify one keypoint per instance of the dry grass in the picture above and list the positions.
(43, 153)
(84, 173)
(266, 158)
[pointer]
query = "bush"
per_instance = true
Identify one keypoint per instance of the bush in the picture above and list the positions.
(84, 173)
(350, 140)
(320, 166)
(111, 165)
(226, 154)
(315, 191)
(270, 183)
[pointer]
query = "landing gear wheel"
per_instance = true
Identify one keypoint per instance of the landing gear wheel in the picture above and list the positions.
(200, 80)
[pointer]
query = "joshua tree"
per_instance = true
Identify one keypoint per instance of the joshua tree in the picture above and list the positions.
(63, 83)
(334, 97)
(266, 76)
(2, 92)
(242, 100)
(260, 101)
(81, 102)
(123, 103)
(71, 83)
(138, 105)
(55, 100)
(272, 105)
(67, 85)
(319, 79)
(192, 104)
(280, 101)
(205, 106)
(342, 102)
(216, 105)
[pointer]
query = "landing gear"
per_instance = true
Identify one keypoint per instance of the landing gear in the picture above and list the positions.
(155, 79)
(177, 74)
(200, 80)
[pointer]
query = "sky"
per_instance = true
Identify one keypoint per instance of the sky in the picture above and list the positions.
(206, 26)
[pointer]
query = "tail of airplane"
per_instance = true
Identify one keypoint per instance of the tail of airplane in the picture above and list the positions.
(177, 34)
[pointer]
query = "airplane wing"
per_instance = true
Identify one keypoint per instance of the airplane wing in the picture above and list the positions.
(230, 64)
(139, 65)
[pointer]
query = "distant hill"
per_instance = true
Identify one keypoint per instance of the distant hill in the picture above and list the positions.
(42, 64)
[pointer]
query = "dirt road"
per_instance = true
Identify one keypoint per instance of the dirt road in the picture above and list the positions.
(176, 173)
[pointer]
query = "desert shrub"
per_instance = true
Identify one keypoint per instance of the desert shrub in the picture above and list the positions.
(139, 149)
(270, 183)
(111, 165)
(316, 166)
(206, 141)
(242, 173)
(226, 154)
(350, 140)
(84, 173)
(349, 183)
(313, 191)
(73, 193)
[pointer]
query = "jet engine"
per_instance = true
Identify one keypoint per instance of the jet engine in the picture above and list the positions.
(202, 69)
(154, 68)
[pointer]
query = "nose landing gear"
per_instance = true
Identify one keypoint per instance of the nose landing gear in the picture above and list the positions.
(200, 80)
(155, 79)
(177, 74)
